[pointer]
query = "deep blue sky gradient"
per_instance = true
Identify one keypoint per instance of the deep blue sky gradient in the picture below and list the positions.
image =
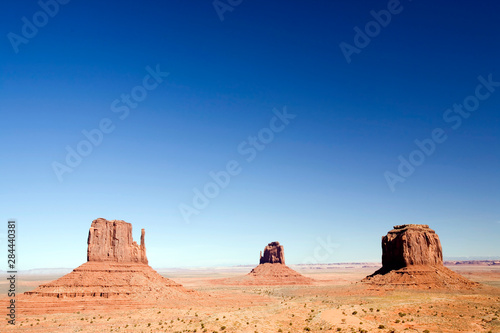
(323, 176)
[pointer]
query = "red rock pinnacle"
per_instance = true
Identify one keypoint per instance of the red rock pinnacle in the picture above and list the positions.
(273, 254)
(112, 241)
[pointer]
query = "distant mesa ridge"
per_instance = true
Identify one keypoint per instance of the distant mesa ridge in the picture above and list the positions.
(412, 257)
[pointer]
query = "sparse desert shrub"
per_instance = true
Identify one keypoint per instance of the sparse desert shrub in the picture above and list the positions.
(307, 329)
(355, 313)
(381, 327)
(426, 331)
(222, 328)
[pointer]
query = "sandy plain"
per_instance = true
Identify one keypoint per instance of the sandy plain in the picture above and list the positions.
(335, 302)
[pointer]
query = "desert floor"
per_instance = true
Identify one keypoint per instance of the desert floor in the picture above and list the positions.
(335, 303)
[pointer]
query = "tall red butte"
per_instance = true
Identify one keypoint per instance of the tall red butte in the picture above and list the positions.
(270, 271)
(112, 241)
(116, 267)
(412, 257)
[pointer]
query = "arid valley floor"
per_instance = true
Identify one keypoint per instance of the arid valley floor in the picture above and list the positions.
(335, 302)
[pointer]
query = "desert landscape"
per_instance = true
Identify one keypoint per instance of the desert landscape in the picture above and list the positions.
(250, 166)
(117, 291)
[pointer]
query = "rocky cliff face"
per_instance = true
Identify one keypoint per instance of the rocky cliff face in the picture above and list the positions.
(116, 267)
(411, 244)
(273, 254)
(112, 241)
(412, 258)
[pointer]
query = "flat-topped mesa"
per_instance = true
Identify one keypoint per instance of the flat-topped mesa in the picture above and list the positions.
(112, 241)
(411, 244)
(412, 258)
(273, 254)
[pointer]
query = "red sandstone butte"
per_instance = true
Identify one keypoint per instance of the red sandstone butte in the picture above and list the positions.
(273, 253)
(271, 270)
(412, 257)
(112, 241)
(411, 244)
(116, 267)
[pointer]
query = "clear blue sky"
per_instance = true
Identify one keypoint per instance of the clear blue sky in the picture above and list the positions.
(322, 176)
